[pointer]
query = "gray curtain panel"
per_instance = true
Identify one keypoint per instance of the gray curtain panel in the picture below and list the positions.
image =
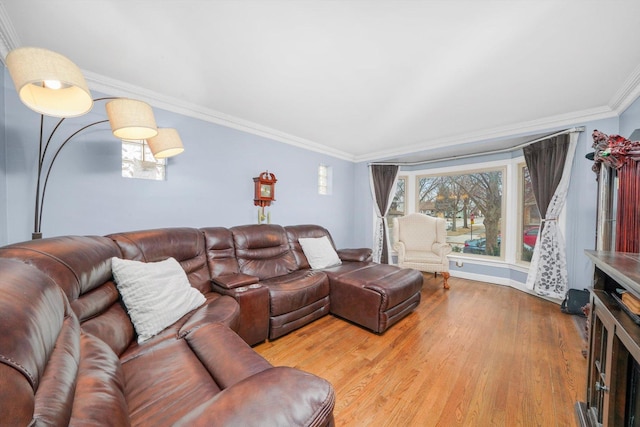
(545, 160)
(383, 177)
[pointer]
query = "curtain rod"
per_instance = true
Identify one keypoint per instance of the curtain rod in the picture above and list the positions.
(465, 156)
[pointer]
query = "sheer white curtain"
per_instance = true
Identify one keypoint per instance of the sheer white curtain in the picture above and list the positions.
(382, 179)
(548, 269)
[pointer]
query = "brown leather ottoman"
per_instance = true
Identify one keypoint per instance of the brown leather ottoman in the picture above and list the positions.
(375, 296)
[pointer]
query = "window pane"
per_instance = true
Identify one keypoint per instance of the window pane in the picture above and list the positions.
(530, 217)
(325, 175)
(471, 203)
(398, 207)
(138, 161)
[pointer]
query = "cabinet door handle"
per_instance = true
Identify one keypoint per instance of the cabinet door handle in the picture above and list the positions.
(601, 387)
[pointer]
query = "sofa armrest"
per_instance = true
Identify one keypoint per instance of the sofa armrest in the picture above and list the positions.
(360, 254)
(225, 355)
(224, 310)
(279, 396)
(231, 281)
(253, 323)
(441, 249)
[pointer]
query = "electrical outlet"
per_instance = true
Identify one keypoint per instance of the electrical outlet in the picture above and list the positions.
(459, 263)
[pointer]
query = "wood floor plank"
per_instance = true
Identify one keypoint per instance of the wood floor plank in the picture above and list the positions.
(476, 355)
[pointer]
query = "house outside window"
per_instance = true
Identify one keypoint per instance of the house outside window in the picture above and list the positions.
(473, 206)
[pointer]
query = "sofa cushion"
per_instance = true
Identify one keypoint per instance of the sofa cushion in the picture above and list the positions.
(184, 244)
(295, 232)
(166, 382)
(296, 290)
(263, 250)
(39, 348)
(221, 252)
(81, 266)
(156, 294)
(319, 252)
(78, 264)
(99, 392)
(288, 397)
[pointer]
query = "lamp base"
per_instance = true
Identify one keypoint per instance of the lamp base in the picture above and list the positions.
(36, 235)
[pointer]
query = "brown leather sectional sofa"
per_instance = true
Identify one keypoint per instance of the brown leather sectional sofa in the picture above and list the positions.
(68, 349)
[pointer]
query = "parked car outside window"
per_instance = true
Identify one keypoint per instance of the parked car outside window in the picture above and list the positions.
(477, 246)
(530, 235)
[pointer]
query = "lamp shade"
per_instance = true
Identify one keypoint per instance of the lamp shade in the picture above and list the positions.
(131, 119)
(48, 82)
(166, 144)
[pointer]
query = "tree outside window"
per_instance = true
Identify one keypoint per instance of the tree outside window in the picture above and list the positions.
(471, 203)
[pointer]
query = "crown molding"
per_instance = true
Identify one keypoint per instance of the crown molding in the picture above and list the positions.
(118, 88)
(628, 92)
(534, 126)
(8, 37)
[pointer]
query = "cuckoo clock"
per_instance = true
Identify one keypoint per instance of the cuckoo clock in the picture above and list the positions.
(265, 186)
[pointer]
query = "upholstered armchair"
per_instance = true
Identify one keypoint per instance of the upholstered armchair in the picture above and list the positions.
(420, 241)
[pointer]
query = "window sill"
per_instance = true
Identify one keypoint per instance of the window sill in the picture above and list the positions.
(517, 266)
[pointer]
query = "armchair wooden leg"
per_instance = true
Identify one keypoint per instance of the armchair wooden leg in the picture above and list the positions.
(446, 276)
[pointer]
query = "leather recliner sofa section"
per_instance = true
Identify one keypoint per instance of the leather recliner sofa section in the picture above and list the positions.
(68, 348)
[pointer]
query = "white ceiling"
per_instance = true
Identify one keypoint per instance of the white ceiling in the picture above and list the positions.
(356, 79)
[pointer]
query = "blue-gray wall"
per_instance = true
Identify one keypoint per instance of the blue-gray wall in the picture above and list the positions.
(3, 167)
(210, 184)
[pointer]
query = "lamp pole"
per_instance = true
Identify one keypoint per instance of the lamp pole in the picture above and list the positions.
(42, 153)
(50, 84)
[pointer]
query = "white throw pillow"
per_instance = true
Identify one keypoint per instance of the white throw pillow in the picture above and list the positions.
(156, 294)
(319, 252)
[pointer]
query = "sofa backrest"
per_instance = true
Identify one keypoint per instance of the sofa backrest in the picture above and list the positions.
(184, 244)
(262, 250)
(81, 267)
(52, 373)
(221, 252)
(295, 232)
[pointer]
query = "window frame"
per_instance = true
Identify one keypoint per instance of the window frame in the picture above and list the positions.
(511, 222)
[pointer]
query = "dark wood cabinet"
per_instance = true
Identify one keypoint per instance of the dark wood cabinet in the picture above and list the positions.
(614, 344)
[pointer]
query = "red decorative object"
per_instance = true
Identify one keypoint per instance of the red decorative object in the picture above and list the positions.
(624, 156)
(265, 186)
(613, 150)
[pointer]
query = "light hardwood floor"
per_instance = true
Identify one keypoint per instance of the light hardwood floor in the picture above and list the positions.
(475, 355)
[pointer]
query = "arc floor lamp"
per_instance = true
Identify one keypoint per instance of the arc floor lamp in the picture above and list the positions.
(52, 85)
